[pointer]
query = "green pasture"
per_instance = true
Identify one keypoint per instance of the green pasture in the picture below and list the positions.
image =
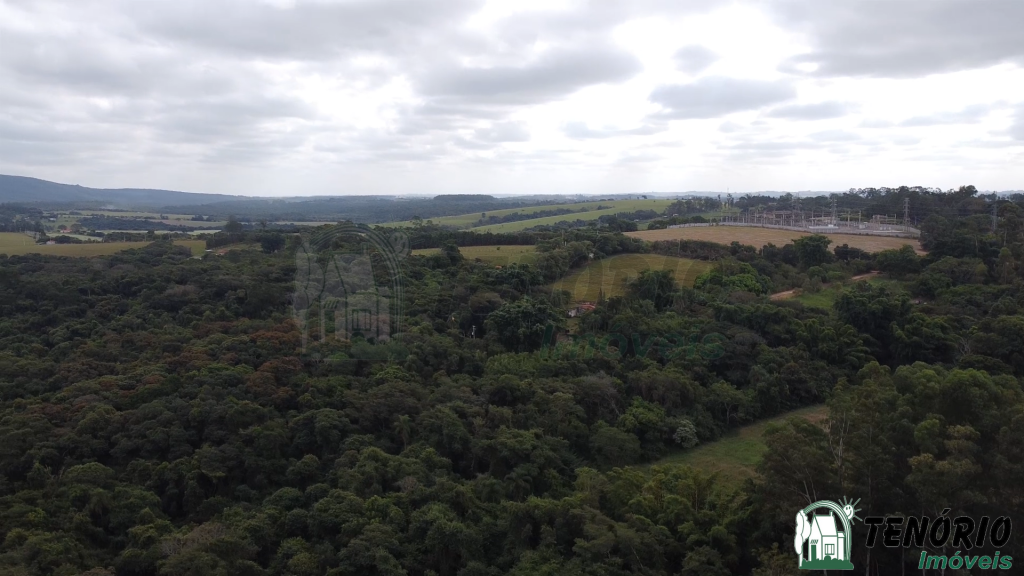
(735, 456)
(611, 274)
(581, 210)
(16, 244)
(497, 255)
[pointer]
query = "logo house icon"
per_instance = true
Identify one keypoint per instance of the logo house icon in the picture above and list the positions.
(823, 535)
(358, 291)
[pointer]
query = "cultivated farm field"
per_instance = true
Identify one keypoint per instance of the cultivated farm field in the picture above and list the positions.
(17, 244)
(497, 255)
(758, 237)
(611, 274)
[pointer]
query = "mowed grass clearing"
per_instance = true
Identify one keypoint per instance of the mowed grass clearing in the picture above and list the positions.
(656, 205)
(735, 456)
(16, 244)
(580, 209)
(758, 237)
(826, 297)
(129, 214)
(497, 255)
(611, 274)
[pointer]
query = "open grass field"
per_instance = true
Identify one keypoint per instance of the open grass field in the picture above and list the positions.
(613, 207)
(635, 205)
(81, 237)
(133, 214)
(15, 244)
(735, 456)
(611, 274)
(497, 255)
(760, 236)
(826, 297)
(305, 223)
(157, 232)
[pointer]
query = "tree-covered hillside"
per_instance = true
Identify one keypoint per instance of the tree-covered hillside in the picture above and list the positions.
(163, 414)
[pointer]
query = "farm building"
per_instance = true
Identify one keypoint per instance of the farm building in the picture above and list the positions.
(581, 309)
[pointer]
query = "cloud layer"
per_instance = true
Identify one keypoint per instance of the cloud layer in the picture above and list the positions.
(423, 96)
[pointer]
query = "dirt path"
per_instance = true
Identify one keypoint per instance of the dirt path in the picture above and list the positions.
(787, 294)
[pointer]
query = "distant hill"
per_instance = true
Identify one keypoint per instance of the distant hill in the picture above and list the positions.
(33, 190)
(367, 209)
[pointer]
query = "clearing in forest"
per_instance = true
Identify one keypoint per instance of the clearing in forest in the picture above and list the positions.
(581, 211)
(17, 244)
(611, 274)
(497, 255)
(735, 456)
(758, 237)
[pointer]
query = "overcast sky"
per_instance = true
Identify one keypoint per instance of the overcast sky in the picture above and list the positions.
(284, 97)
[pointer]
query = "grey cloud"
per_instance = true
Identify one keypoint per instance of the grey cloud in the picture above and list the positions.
(716, 96)
(834, 136)
(469, 144)
(581, 131)
(225, 117)
(905, 140)
(773, 146)
(729, 127)
(318, 31)
(254, 150)
(876, 124)
(641, 158)
(968, 115)
(434, 117)
(1016, 130)
(555, 74)
(816, 111)
(905, 39)
(694, 59)
(592, 19)
(503, 132)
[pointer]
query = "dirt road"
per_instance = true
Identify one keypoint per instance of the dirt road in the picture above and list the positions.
(785, 295)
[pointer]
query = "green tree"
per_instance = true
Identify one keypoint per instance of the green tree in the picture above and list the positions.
(521, 325)
(657, 286)
(233, 226)
(271, 242)
(813, 250)
(898, 263)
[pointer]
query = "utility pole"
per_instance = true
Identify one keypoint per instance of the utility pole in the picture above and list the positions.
(833, 210)
(906, 214)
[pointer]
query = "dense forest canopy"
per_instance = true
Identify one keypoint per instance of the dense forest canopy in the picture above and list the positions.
(166, 414)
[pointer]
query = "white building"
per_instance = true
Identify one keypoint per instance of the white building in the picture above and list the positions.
(825, 540)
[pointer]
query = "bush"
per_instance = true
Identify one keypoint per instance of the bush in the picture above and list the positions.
(686, 434)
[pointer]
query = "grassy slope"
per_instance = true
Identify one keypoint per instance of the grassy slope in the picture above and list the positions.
(735, 456)
(498, 255)
(757, 237)
(827, 296)
(467, 220)
(610, 274)
(621, 206)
